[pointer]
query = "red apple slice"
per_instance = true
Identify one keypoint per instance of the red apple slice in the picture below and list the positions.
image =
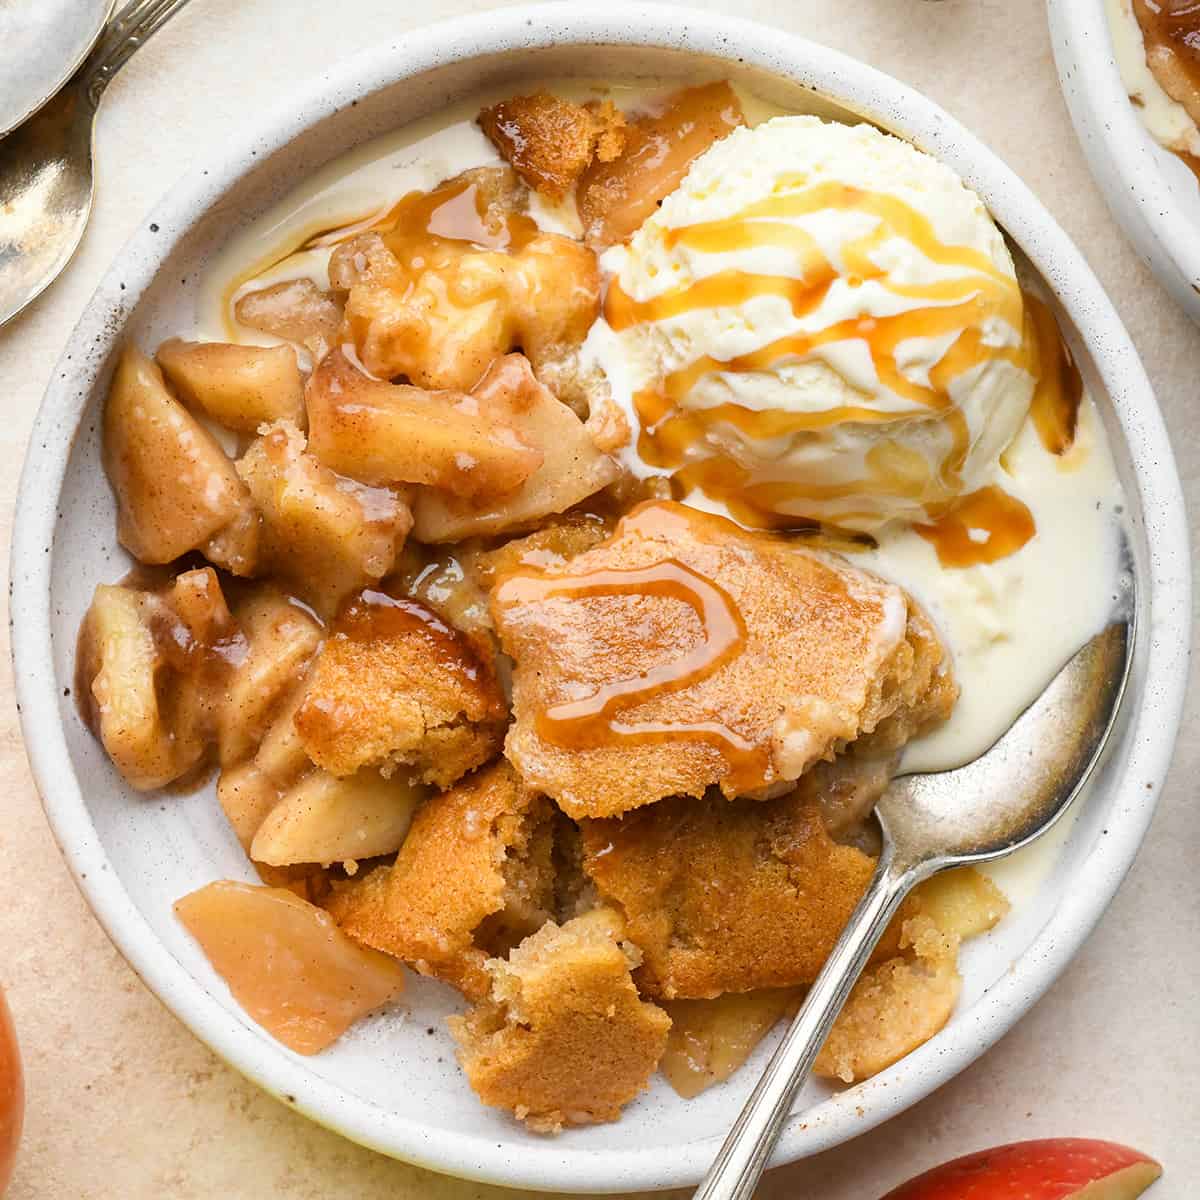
(1052, 1169)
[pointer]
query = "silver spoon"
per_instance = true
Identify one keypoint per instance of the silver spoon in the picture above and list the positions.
(46, 165)
(980, 812)
(44, 42)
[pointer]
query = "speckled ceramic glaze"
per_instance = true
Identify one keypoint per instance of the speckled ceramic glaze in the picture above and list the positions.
(1154, 196)
(390, 1084)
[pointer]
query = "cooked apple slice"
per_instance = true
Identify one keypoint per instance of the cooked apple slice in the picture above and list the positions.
(196, 599)
(326, 820)
(616, 197)
(280, 638)
(296, 311)
(176, 489)
(572, 467)
(154, 665)
(327, 535)
(247, 795)
(118, 665)
(710, 1039)
(962, 903)
(1048, 1169)
(381, 433)
(286, 962)
(240, 387)
(249, 791)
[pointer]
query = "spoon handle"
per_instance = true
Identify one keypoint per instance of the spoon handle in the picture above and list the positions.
(736, 1170)
(126, 32)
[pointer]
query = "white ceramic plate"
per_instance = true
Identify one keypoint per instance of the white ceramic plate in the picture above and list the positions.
(1151, 193)
(389, 1084)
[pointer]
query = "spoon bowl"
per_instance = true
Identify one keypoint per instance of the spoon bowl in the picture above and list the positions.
(1026, 781)
(45, 197)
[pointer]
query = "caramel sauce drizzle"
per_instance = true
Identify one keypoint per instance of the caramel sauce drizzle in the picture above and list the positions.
(455, 211)
(1001, 525)
(452, 217)
(670, 433)
(946, 307)
(595, 719)
(1059, 391)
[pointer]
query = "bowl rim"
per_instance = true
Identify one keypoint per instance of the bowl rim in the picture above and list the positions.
(1124, 158)
(556, 1165)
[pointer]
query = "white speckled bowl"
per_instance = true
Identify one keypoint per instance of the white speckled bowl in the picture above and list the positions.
(389, 1084)
(1152, 194)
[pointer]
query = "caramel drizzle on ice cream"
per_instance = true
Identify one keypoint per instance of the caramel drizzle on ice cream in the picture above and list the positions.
(942, 308)
(951, 308)
(982, 527)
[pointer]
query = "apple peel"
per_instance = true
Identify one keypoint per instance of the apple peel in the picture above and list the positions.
(1048, 1169)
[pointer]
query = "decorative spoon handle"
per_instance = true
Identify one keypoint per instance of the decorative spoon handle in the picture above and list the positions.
(126, 32)
(743, 1157)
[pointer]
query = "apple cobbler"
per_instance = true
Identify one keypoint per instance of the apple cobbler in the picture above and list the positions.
(481, 702)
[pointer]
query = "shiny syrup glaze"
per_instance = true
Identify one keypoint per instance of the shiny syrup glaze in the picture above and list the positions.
(374, 615)
(596, 719)
(420, 224)
(423, 229)
(661, 143)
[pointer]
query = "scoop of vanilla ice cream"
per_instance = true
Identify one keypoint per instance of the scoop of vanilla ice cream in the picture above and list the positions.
(821, 322)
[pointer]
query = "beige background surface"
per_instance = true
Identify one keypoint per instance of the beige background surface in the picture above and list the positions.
(124, 1102)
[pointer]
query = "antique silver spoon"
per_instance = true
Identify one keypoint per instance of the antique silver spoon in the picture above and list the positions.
(980, 812)
(46, 165)
(44, 42)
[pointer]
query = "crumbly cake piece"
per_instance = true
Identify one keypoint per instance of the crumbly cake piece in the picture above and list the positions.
(896, 1006)
(550, 141)
(553, 545)
(686, 652)
(615, 196)
(726, 896)
(564, 1038)
(473, 877)
(396, 685)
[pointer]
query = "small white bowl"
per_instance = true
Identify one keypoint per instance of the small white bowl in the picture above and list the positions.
(389, 1084)
(1152, 194)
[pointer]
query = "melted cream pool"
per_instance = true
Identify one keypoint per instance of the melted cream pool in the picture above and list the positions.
(1010, 624)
